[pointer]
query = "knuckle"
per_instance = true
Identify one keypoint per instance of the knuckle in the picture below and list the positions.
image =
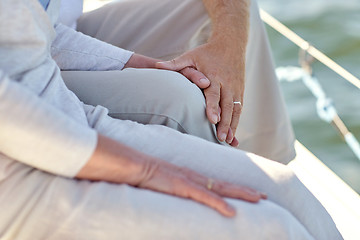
(227, 106)
(223, 127)
(212, 105)
(236, 112)
(212, 95)
(185, 71)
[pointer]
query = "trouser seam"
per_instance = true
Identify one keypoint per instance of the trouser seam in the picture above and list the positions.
(151, 114)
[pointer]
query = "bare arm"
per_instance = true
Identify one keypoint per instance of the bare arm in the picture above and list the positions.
(117, 163)
(222, 60)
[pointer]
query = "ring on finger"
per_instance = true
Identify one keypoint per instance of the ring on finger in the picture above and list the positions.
(238, 102)
(210, 183)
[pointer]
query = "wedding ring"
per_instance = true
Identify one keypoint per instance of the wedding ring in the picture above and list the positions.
(238, 102)
(210, 183)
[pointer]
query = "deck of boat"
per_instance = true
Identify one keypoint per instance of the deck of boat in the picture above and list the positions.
(342, 203)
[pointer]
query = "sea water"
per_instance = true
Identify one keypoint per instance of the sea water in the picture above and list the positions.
(332, 26)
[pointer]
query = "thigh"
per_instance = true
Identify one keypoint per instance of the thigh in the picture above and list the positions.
(154, 28)
(170, 27)
(43, 206)
(147, 96)
(232, 165)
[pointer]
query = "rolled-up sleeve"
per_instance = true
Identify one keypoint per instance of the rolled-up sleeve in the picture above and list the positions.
(39, 135)
(73, 50)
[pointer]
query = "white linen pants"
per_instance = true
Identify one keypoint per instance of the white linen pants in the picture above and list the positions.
(43, 206)
(167, 28)
(36, 205)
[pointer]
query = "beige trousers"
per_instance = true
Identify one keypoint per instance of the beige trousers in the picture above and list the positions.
(164, 29)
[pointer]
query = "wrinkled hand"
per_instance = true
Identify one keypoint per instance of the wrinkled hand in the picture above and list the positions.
(225, 68)
(182, 182)
(117, 163)
(141, 61)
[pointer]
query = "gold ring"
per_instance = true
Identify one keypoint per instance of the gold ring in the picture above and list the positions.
(210, 183)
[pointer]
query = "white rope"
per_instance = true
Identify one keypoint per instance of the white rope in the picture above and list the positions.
(324, 105)
(353, 144)
(281, 28)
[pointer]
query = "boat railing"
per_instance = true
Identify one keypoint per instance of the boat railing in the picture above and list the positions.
(308, 48)
(325, 107)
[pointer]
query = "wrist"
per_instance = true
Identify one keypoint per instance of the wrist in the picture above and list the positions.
(113, 162)
(140, 61)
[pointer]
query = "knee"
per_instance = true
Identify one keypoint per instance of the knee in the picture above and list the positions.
(267, 220)
(184, 103)
(180, 94)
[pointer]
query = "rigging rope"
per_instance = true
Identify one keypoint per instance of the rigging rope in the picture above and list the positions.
(325, 107)
(306, 46)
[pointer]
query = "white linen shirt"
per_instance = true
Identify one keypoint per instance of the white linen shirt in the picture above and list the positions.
(42, 123)
(73, 50)
(70, 11)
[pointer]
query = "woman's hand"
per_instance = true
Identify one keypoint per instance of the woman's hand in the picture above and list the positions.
(140, 61)
(117, 163)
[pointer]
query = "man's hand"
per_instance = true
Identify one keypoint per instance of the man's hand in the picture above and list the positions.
(222, 92)
(225, 70)
(222, 61)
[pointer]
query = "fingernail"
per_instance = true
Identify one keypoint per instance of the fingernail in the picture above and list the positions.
(204, 81)
(236, 143)
(218, 117)
(263, 195)
(230, 210)
(214, 118)
(229, 136)
(222, 137)
(219, 113)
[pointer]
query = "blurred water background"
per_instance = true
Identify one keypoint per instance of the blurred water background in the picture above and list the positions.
(332, 26)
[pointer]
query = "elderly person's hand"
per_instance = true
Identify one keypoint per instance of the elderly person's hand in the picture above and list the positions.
(222, 61)
(117, 163)
(226, 73)
(141, 61)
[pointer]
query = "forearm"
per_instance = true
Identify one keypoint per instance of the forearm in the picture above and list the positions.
(75, 51)
(40, 135)
(140, 61)
(230, 21)
(114, 162)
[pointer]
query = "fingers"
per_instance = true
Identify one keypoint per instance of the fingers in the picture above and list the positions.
(172, 180)
(176, 64)
(235, 142)
(212, 96)
(182, 182)
(229, 190)
(226, 189)
(196, 77)
(220, 95)
(200, 194)
(226, 103)
(237, 108)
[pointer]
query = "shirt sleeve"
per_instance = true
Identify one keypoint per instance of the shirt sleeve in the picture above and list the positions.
(73, 50)
(37, 134)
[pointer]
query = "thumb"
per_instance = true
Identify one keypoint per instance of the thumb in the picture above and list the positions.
(176, 64)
